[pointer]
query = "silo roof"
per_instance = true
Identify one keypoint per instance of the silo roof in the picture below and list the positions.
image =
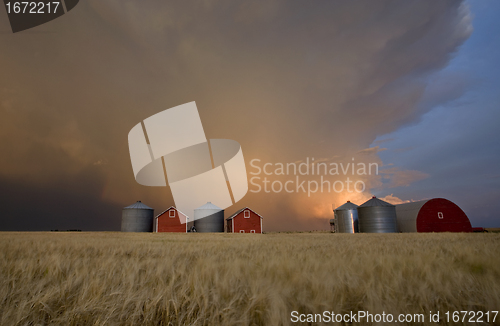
(209, 205)
(376, 202)
(138, 205)
(346, 207)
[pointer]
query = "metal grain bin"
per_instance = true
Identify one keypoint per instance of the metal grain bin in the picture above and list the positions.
(377, 216)
(209, 218)
(346, 218)
(137, 218)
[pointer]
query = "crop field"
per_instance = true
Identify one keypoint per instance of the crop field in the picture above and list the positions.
(112, 278)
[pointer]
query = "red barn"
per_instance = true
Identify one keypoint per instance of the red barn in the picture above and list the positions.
(244, 221)
(171, 221)
(433, 215)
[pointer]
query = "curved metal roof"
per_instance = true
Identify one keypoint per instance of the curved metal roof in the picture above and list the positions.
(407, 214)
(414, 205)
(346, 207)
(138, 205)
(209, 205)
(376, 202)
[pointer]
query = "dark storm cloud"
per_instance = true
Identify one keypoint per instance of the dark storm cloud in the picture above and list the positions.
(72, 203)
(456, 142)
(287, 80)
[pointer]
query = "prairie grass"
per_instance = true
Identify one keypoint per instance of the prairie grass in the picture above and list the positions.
(240, 279)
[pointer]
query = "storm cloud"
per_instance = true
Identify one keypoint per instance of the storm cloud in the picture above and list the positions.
(286, 79)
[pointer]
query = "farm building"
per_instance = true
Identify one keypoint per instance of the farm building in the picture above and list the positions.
(433, 215)
(171, 220)
(209, 218)
(244, 221)
(137, 218)
(377, 216)
(345, 218)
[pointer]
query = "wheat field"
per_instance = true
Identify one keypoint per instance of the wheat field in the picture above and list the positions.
(113, 278)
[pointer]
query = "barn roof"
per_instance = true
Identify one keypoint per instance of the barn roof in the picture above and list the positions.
(138, 205)
(414, 205)
(241, 210)
(168, 210)
(407, 214)
(375, 202)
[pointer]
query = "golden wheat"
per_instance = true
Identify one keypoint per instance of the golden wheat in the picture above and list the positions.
(240, 279)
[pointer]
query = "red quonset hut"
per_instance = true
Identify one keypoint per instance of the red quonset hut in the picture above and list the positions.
(171, 221)
(433, 215)
(244, 221)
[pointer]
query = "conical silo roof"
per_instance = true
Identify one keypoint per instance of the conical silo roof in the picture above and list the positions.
(138, 205)
(346, 207)
(376, 202)
(209, 205)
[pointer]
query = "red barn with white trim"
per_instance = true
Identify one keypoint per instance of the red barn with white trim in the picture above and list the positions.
(433, 215)
(170, 221)
(244, 221)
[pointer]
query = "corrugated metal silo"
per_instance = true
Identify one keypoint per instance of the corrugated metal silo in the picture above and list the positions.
(209, 218)
(346, 218)
(137, 218)
(377, 216)
(432, 215)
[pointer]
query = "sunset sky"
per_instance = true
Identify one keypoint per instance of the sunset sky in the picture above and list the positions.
(409, 85)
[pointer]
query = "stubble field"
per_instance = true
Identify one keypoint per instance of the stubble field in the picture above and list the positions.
(241, 279)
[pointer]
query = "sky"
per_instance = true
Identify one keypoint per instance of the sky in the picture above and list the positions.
(408, 85)
(457, 142)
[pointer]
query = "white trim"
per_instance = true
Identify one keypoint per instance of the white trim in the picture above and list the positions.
(242, 231)
(245, 213)
(178, 211)
(170, 213)
(440, 215)
(232, 228)
(241, 210)
(252, 231)
(261, 225)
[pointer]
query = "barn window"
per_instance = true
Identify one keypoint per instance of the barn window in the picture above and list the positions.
(242, 231)
(440, 215)
(171, 213)
(252, 231)
(247, 214)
